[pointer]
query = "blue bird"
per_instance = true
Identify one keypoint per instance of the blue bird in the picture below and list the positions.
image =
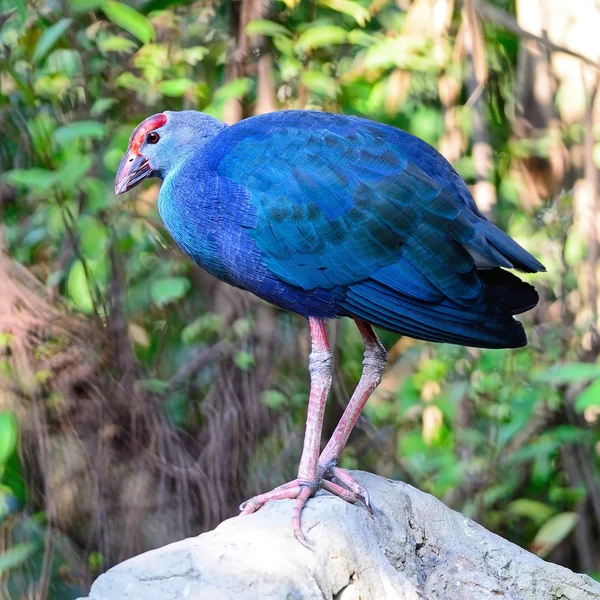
(334, 216)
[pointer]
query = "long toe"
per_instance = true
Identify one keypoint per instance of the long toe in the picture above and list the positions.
(301, 491)
(348, 481)
(287, 490)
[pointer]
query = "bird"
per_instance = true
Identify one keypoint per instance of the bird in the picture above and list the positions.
(329, 216)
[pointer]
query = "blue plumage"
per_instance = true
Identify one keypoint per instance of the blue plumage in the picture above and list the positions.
(330, 215)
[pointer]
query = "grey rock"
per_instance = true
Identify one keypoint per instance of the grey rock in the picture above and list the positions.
(412, 548)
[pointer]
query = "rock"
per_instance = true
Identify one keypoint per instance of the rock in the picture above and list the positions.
(412, 548)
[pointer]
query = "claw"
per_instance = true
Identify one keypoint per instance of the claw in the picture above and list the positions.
(305, 493)
(302, 490)
(353, 485)
(287, 490)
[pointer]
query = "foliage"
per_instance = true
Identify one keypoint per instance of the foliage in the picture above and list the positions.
(489, 432)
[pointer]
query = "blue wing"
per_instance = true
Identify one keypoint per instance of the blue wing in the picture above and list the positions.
(343, 203)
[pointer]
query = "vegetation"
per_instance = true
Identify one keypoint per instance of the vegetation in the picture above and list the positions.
(141, 401)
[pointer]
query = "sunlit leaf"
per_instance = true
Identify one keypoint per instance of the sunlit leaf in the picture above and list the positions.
(65, 61)
(404, 52)
(102, 105)
(553, 532)
(116, 43)
(244, 360)
(274, 399)
(78, 288)
(237, 88)
(320, 83)
(203, 328)
(538, 512)
(21, 7)
(138, 334)
(359, 13)
(176, 87)
(34, 179)
(570, 373)
(589, 397)
(359, 37)
(73, 170)
(17, 555)
(94, 237)
(49, 38)
(266, 28)
(8, 435)
(322, 35)
(85, 5)
(80, 130)
(169, 289)
(130, 20)
(193, 55)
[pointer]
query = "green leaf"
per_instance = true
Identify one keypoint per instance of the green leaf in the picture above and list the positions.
(317, 37)
(237, 88)
(203, 328)
(266, 28)
(49, 38)
(115, 43)
(64, 62)
(194, 55)
(17, 555)
(244, 360)
(130, 20)
(85, 5)
(21, 7)
(94, 237)
(72, 171)
(553, 532)
(102, 105)
(320, 83)
(169, 289)
(8, 436)
(175, 88)
(156, 386)
(274, 399)
(570, 373)
(531, 509)
(359, 13)
(67, 134)
(34, 179)
(589, 397)
(78, 288)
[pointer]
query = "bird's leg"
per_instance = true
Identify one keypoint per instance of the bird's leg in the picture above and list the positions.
(375, 360)
(310, 477)
(319, 366)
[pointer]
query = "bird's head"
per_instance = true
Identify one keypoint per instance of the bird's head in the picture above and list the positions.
(160, 143)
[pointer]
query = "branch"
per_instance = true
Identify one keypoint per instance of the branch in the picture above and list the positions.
(198, 361)
(499, 17)
(591, 177)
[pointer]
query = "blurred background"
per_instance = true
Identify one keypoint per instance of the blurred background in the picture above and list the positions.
(141, 400)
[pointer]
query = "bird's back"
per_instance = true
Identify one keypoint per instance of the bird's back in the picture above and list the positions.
(332, 215)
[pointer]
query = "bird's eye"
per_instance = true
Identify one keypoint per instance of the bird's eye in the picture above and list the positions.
(152, 137)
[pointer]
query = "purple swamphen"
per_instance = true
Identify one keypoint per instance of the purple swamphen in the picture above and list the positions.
(334, 216)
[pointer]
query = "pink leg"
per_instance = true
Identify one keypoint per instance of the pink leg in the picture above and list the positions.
(309, 479)
(315, 473)
(373, 366)
(319, 366)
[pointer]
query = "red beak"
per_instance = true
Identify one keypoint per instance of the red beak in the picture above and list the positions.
(134, 168)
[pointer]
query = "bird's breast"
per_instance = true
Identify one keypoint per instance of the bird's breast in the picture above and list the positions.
(209, 218)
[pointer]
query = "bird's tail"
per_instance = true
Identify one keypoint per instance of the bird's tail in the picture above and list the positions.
(487, 324)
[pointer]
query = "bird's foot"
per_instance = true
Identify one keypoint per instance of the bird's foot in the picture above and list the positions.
(301, 490)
